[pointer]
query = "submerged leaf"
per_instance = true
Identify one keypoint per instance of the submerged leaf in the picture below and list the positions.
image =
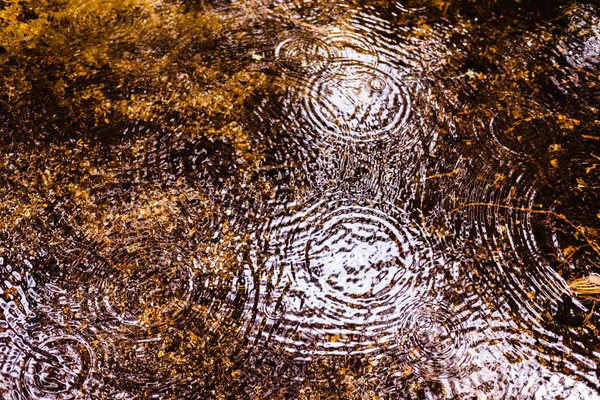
(589, 285)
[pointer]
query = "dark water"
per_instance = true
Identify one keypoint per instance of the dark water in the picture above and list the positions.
(298, 199)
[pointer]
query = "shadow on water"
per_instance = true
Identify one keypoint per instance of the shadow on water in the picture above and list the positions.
(299, 199)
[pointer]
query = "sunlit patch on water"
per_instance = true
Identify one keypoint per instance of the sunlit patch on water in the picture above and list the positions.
(347, 45)
(449, 333)
(41, 357)
(18, 295)
(581, 46)
(510, 373)
(413, 6)
(356, 98)
(357, 102)
(331, 274)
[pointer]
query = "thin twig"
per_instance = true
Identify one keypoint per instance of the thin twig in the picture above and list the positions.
(579, 229)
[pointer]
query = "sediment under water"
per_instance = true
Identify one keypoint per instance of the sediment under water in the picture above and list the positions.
(298, 199)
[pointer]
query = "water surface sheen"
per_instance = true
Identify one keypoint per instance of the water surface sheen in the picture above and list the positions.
(301, 199)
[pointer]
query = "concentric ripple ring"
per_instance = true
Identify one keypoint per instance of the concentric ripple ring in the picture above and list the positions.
(334, 272)
(434, 340)
(302, 54)
(356, 102)
(351, 47)
(121, 21)
(140, 289)
(58, 370)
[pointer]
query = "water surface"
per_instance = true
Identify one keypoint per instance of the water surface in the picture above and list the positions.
(298, 199)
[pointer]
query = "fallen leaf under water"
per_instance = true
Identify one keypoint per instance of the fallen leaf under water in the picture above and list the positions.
(589, 285)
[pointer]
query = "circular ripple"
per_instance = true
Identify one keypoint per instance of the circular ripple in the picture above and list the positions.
(517, 137)
(303, 54)
(511, 228)
(58, 368)
(435, 339)
(155, 306)
(115, 19)
(140, 289)
(573, 223)
(502, 222)
(351, 47)
(330, 276)
(413, 6)
(356, 102)
(314, 12)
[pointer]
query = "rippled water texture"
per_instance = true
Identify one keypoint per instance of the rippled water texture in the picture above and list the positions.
(301, 199)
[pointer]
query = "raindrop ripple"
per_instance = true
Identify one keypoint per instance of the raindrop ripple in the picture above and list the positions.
(58, 368)
(358, 102)
(140, 289)
(333, 273)
(302, 54)
(434, 339)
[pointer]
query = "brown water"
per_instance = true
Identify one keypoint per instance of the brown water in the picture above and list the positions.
(298, 199)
